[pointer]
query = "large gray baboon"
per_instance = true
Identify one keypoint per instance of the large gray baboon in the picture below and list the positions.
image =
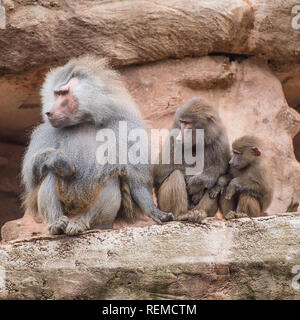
(61, 174)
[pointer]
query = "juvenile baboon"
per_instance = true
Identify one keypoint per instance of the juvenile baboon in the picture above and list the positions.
(61, 174)
(178, 192)
(247, 189)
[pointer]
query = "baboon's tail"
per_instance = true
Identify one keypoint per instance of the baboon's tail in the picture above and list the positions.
(127, 211)
(29, 201)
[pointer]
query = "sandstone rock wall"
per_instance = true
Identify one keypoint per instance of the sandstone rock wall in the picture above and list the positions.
(245, 259)
(10, 189)
(149, 30)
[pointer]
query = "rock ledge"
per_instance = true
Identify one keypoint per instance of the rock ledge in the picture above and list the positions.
(241, 259)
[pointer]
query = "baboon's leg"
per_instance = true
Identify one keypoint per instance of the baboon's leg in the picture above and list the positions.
(226, 205)
(172, 194)
(207, 205)
(102, 215)
(49, 206)
(249, 205)
(142, 196)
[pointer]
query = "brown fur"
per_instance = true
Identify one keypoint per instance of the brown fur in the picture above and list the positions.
(249, 205)
(172, 192)
(77, 202)
(251, 179)
(29, 201)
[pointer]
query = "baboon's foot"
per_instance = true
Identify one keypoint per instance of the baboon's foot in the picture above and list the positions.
(75, 227)
(195, 216)
(235, 215)
(196, 198)
(59, 226)
(168, 216)
(241, 215)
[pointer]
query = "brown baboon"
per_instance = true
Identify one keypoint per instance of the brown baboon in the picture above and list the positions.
(62, 175)
(247, 189)
(175, 190)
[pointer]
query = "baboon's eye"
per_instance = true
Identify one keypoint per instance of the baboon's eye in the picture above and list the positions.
(184, 122)
(61, 92)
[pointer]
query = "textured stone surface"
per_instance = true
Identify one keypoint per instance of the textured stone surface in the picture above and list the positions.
(241, 259)
(30, 225)
(142, 31)
(20, 105)
(10, 159)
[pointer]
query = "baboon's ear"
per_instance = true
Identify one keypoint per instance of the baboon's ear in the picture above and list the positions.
(256, 151)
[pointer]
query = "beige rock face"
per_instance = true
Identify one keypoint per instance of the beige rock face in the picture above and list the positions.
(20, 105)
(26, 227)
(10, 162)
(289, 75)
(134, 32)
(242, 259)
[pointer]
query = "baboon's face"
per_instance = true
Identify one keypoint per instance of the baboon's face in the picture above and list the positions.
(64, 111)
(187, 132)
(241, 158)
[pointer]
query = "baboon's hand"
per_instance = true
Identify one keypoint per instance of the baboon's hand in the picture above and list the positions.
(60, 164)
(215, 191)
(193, 185)
(230, 191)
(197, 197)
(196, 185)
(160, 216)
(40, 168)
(51, 159)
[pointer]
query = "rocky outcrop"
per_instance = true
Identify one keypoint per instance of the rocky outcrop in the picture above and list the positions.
(138, 32)
(243, 259)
